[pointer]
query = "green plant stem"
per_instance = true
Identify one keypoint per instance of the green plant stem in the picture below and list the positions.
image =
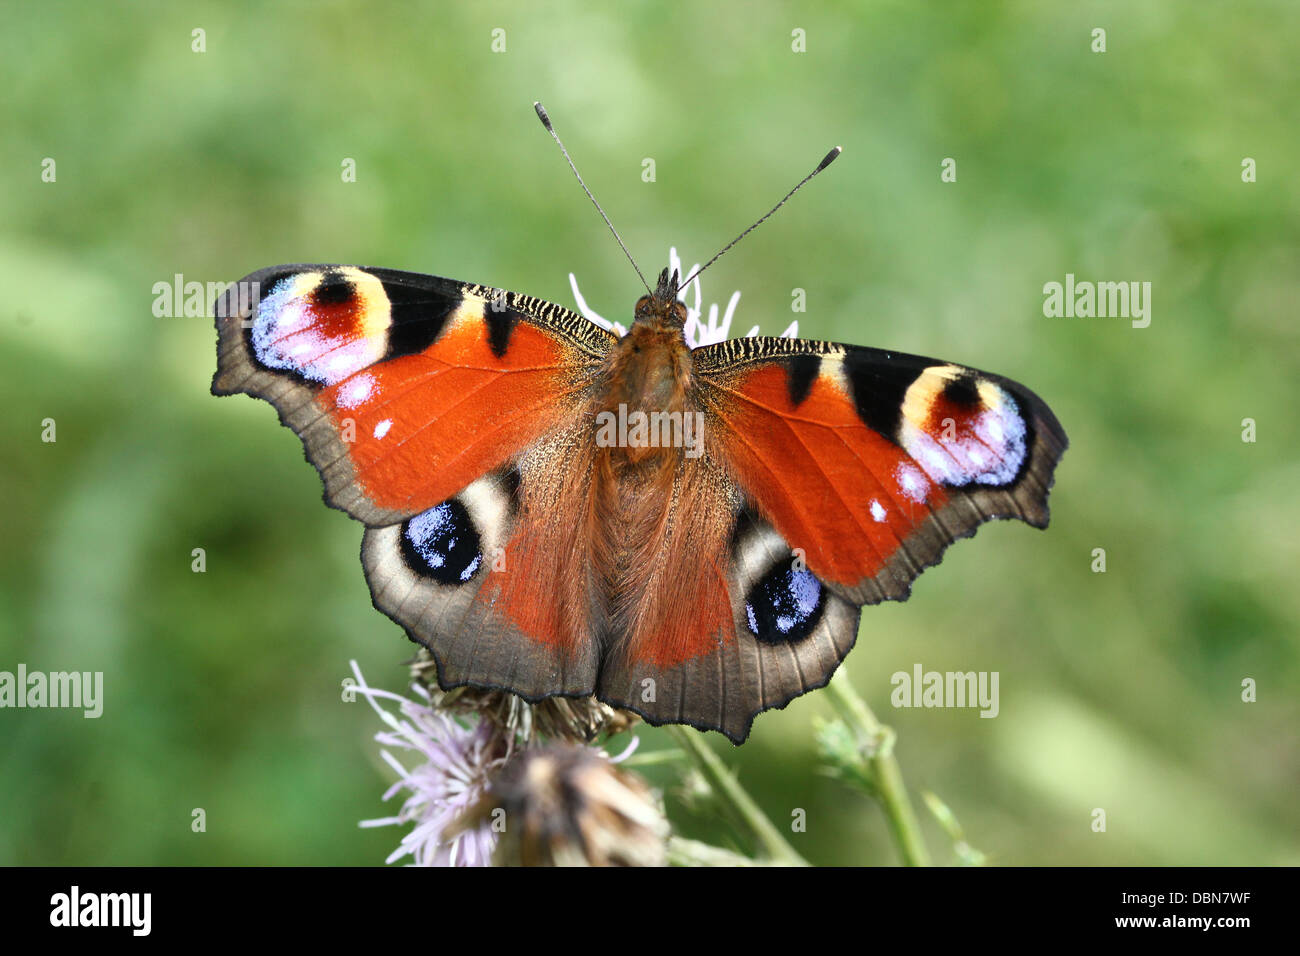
(653, 758)
(733, 796)
(684, 852)
(876, 744)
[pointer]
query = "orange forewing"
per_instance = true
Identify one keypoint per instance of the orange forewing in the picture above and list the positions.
(428, 424)
(842, 493)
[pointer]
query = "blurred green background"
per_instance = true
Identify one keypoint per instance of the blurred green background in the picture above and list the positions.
(1119, 690)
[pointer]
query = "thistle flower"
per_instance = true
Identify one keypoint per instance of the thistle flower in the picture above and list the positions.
(467, 773)
(697, 332)
(457, 763)
(567, 805)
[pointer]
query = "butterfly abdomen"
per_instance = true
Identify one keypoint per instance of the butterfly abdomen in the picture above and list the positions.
(636, 464)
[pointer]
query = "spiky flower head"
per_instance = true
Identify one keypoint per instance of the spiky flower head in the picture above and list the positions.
(567, 805)
(449, 774)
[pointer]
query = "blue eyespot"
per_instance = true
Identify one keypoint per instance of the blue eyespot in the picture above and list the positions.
(785, 605)
(441, 544)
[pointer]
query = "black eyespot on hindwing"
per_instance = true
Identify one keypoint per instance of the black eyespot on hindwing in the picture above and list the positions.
(442, 544)
(785, 605)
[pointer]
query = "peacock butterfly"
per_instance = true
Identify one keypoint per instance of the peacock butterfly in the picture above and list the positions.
(552, 509)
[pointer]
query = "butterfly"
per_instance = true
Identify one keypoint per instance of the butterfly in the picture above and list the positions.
(552, 509)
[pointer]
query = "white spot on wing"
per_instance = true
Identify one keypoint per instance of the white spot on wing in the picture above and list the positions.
(356, 390)
(912, 482)
(877, 510)
(382, 428)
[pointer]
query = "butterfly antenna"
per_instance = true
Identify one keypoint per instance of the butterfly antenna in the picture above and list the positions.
(830, 158)
(546, 121)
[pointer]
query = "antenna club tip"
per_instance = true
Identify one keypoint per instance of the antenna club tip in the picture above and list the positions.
(542, 114)
(830, 158)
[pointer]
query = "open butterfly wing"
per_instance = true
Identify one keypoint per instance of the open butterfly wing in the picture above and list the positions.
(429, 407)
(853, 470)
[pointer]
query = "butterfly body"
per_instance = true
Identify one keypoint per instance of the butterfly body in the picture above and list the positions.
(555, 510)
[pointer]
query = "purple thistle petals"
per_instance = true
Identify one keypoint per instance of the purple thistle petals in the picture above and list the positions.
(451, 778)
